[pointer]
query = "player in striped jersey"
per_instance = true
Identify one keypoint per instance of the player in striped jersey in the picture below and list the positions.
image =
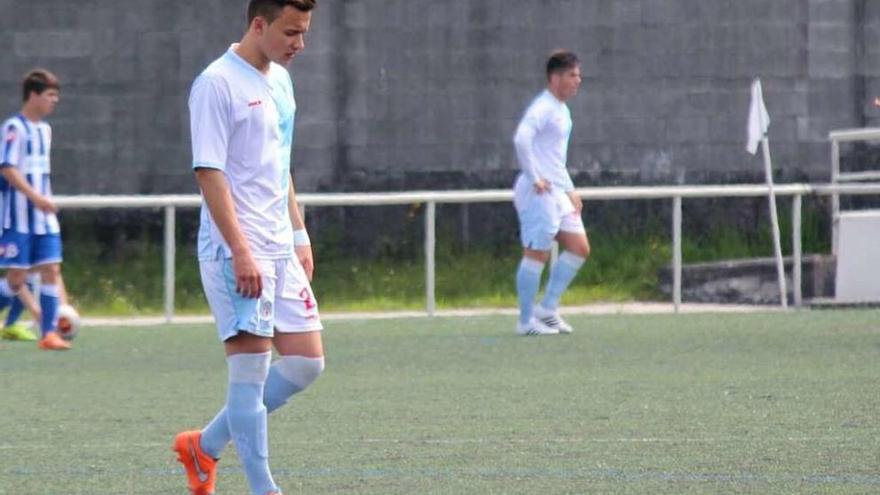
(31, 235)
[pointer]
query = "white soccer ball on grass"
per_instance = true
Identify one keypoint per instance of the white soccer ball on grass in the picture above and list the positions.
(68, 321)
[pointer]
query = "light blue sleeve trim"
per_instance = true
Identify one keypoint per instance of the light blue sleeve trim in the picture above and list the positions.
(208, 165)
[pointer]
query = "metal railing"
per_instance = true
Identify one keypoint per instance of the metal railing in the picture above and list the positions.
(838, 176)
(432, 198)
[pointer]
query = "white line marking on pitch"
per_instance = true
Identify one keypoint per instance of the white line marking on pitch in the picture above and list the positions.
(463, 441)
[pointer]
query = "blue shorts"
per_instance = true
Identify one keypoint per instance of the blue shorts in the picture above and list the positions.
(18, 250)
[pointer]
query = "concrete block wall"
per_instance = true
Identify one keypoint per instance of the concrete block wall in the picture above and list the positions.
(398, 94)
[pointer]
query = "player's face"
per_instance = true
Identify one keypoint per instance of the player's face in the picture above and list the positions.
(567, 82)
(45, 102)
(284, 38)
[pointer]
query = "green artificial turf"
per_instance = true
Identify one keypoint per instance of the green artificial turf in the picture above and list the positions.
(782, 403)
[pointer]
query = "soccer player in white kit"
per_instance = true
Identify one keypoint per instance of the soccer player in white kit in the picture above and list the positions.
(545, 201)
(255, 256)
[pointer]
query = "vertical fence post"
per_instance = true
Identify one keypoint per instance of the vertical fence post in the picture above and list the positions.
(170, 251)
(676, 252)
(796, 233)
(430, 252)
(835, 197)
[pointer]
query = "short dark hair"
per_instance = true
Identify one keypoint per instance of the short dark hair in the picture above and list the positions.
(38, 81)
(269, 9)
(561, 60)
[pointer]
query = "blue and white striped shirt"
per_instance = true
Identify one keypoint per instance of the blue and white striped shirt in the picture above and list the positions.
(26, 146)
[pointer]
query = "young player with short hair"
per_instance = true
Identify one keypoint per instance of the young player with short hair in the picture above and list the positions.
(545, 201)
(31, 234)
(255, 256)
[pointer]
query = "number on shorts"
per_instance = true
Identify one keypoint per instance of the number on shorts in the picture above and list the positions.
(307, 299)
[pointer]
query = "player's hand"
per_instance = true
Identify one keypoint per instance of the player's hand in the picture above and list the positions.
(542, 186)
(576, 201)
(248, 279)
(45, 204)
(304, 254)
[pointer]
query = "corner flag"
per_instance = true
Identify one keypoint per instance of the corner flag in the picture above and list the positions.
(759, 123)
(759, 119)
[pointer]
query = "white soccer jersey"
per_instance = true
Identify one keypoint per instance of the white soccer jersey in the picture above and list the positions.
(242, 124)
(541, 141)
(26, 146)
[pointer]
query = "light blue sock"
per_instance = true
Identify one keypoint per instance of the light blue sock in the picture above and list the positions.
(561, 275)
(246, 416)
(6, 294)
(288, 376)
(528, 282)
(49, 307)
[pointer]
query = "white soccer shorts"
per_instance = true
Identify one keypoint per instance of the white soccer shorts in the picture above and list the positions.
(286, 305)
(542, 216)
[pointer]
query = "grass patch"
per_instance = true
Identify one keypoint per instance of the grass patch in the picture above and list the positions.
(781, 403)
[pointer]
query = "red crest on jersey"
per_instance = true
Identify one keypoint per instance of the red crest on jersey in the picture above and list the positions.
(10, 134)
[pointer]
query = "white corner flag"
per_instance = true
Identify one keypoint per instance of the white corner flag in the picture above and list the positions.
(759, 123)
(759, 119)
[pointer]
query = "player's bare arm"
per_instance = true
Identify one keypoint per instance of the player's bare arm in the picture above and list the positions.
(215, 190)
(303, 251)
(16, 180)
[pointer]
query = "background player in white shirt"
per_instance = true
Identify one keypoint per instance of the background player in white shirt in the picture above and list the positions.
(254, 253)
(545, 201)
(31, 234)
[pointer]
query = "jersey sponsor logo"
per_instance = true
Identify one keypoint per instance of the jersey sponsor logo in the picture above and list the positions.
(255, 103)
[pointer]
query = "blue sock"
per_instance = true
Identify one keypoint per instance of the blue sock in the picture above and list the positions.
(246, 416)
(561, 275)
(6, 294)
(49, 307)
(528, 282)
(289, 375)
(16, 309)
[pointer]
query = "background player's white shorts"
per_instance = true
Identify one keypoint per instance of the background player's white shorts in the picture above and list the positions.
(287, 303)
(542, 216)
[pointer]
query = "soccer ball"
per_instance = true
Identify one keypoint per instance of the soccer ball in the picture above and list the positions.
(68, 321)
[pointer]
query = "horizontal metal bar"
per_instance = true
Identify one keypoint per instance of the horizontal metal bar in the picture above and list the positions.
(846, 189)
(858, 176)
(864, 134)
(483, 196)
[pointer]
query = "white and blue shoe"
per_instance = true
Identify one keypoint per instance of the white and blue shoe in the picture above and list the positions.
(534, 328)
(551, 319)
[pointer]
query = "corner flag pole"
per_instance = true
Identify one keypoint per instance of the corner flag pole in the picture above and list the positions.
(758, 124)
(774, 220)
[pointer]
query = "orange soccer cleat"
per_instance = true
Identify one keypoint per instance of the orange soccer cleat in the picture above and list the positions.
(201, 469)
(53, 342)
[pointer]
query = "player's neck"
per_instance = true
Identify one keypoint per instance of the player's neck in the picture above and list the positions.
(248, 50)
(31, 113)
(556, 94)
